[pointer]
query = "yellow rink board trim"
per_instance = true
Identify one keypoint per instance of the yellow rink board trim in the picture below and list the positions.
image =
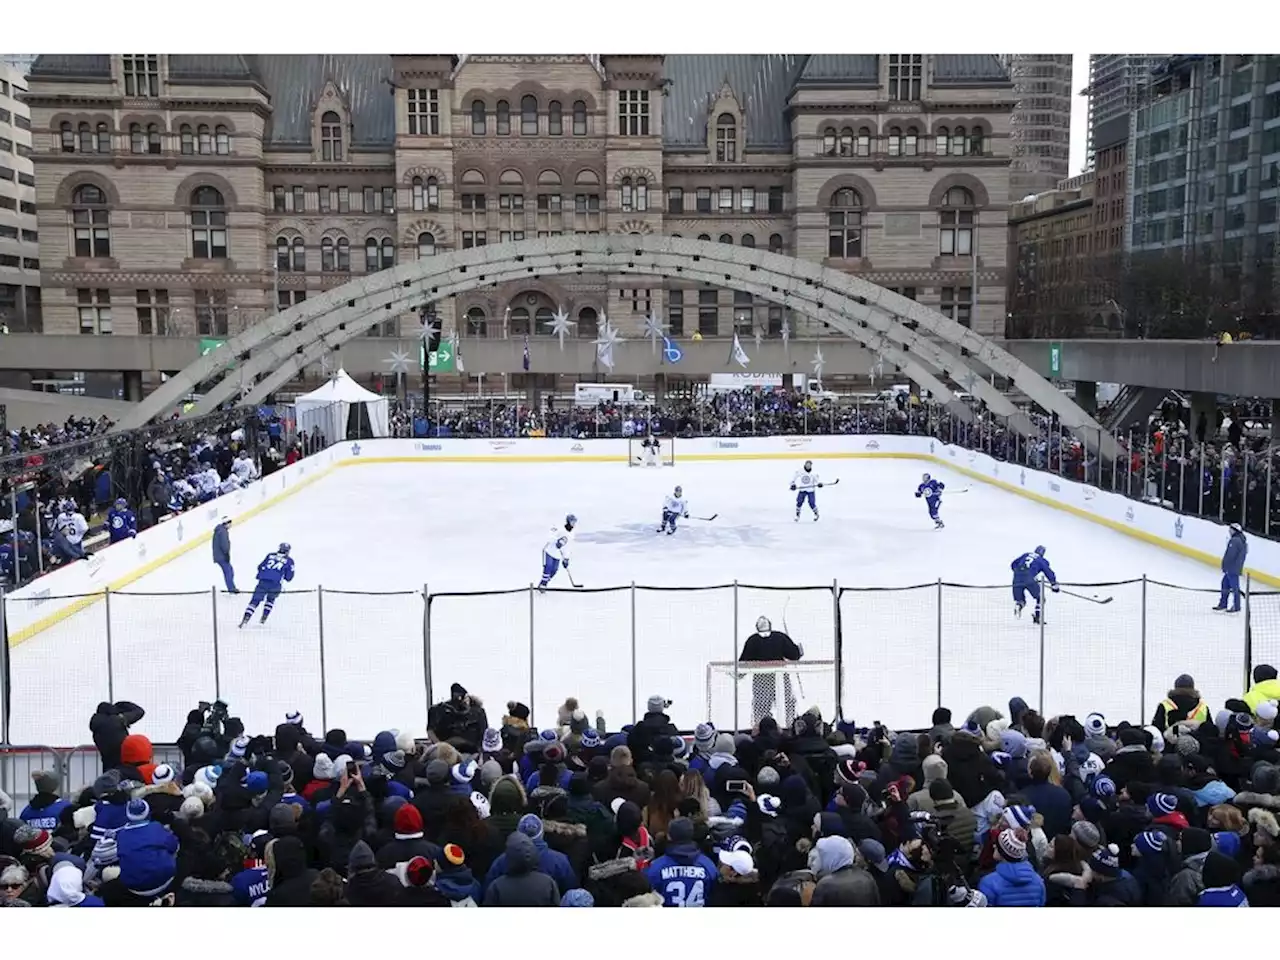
(21, 636)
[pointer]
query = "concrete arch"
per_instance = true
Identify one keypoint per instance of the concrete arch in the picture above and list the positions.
(868, 313)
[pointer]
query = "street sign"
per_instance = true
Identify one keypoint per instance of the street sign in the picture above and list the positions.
(441, 360)
(1055, 359)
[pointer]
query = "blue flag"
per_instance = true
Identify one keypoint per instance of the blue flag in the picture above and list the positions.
(526, 353)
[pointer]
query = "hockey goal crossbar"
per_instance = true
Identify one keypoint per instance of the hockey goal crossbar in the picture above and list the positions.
(722, 674)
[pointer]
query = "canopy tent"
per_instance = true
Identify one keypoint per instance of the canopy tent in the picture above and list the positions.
(343, 410)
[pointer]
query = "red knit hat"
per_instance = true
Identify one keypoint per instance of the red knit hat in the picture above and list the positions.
(408, 821)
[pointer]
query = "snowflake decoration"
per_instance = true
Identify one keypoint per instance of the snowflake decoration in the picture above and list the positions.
(560, 324)
(399, 361)
(606, 340)
(786, 331)
(819, 363)
(428, 329)
(325, 366)
(654, 330)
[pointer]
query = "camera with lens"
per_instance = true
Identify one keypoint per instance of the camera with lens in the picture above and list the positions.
(215, 715)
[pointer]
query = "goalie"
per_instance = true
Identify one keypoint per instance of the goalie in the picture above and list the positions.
(651, 451)
(764, 646)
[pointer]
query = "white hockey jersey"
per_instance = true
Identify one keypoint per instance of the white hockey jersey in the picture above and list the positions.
(559, 544)
(229, 485)
(805, 480)
(207, 481)
(72, 526)
(677, 505)
(244, 469)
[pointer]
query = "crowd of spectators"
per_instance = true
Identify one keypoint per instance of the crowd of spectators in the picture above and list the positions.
(1003, 808)
(33, 439)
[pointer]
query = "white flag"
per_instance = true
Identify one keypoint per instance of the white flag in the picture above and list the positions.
(739, 355)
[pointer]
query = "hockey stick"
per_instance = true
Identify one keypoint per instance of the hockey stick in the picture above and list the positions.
(787, 630)
(1094, 599)
(710, 518)
(573, 583)
(831, 483)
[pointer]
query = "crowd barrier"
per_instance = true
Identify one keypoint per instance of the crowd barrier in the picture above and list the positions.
(370, 661)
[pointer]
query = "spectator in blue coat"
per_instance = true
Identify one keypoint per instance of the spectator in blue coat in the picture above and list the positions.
(222, 552)
(148, 852)
(45, 809)
(1014, 882)
(551, 862)
(1051, 801)
(1232, 568)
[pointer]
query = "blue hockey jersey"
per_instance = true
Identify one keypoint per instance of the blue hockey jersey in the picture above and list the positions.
(275, 567)
(1031, 566)
(121, 524)
(684, 876)
(931, 489)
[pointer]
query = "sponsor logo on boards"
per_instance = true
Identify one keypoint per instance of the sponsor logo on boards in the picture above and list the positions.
(576, 448)
(727, 444)
(873, 444)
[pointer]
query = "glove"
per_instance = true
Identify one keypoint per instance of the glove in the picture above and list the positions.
(820, 486)
(1055, 588)
(917, 494)
(686, 516)
(793, 487)
(565, 561)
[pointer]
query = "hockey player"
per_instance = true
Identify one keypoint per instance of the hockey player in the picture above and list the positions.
(229, 485)
(931, 490)
(243, 468)
(69, 529)
(207, 482)
(674, 507)
(274, 568)
(650, 450)
(1027, 569)
(806, 481)
(555, 552)
(121, 523)
(764, 646)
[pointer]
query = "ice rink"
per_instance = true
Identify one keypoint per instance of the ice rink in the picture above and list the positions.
(373, 534)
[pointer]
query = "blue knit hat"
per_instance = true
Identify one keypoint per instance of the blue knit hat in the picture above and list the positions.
(531, 826)
(577, 897)
(1103, 786)
(1162, 804)
(590, 740)
(1226, 842)
(255, 782)
(137, 810)
(1151, 843)
(1106, 860)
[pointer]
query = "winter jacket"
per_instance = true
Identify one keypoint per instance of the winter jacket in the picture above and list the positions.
(846, 887)
(1123, 891)
(458, 884)
(1262, 886)
(1131, 763)
(1181, 703)
(221, 544)
(1233, 557)
(521, 883)
(735, 890)
(368, 886)
(970, 770)
(1013, 885)
(649, 728)
(551, 862)
(958, 823)
(291, 877)
(622, 782)
(148, 857)
(1188, 883)
(468, 724)
(684, 876)
(1053, 803)
(1261, 692)
(571, 840)
(402, 849)
(198, 892)
(110, 725)
(44, 811)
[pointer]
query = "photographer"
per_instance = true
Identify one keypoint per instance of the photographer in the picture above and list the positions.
(461, 718)
(109, 725)
(211, 721)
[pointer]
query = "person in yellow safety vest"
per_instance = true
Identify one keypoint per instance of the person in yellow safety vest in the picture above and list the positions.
(1183, 703)
(1265, 687)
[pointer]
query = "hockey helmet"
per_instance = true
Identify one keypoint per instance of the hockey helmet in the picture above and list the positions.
(1039, 551)
(284, 548)
(679, 491)
(570, 521)
(808, 464)
(764, 627)
(924, 478)
(121, 503)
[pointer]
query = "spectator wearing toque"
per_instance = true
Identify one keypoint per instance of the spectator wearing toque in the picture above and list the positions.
(367, 884)
(1188, 880)
(419, 891)
(507, 804)
(551, 862)
(521, 883)
(1014, 883)
(44, 810)
(622, 781)
(407, 840)
(841, 881)
(655, 724)
(1221, 877)
(932, 768)
(955, 820)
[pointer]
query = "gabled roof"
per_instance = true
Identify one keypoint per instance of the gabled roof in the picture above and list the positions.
(761, 83)
(207, 66)
(296, 81)
(968, 68)
(839, 68)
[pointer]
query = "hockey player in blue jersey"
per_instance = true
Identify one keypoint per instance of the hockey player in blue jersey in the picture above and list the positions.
(931, 490)
(1027, 570)
(555, 552)
(121, 523)
(274, 568)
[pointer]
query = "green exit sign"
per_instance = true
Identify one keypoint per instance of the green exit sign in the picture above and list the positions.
(1055, 359)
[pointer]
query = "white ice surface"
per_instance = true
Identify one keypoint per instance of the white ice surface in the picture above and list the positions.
(475, 527)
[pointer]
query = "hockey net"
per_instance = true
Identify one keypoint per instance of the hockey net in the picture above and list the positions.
(642, 456)
(739, 694)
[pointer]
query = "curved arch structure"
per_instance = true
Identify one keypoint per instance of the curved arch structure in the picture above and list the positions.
(282, 344)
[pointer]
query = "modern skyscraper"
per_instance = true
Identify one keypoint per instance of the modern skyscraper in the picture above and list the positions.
(1115, 81)
(1040, 129)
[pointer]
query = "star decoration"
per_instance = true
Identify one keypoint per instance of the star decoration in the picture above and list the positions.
(654, 330)
(819, 362)
(560, 324)
(605, 341)
(246, 387)
(399, 361)
(428, 329)
(325, 365)
(786, 331)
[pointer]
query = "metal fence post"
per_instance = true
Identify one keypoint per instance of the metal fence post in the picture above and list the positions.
(1044, 615)
(939, 641)
(324, 700)
(835, 633)
(1200, 483)
(4, 674)
(634, 711)
(111, 686)
(734, 640)
(1248, 632)
(1142, 659)
(426, 643)
(217, 676)
(532, 708)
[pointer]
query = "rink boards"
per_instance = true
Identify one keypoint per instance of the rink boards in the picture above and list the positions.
(63, 593)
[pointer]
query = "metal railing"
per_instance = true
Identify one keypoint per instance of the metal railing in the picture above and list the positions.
(372, 661)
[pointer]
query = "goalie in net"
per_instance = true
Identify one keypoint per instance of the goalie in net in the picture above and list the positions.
(767, 645)
(652, 451)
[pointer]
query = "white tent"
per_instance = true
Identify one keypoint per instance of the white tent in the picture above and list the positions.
(343, 410)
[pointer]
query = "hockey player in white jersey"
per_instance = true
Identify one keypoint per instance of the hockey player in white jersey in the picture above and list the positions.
(555, 552)
(673, 507)
(244, 469)
(69, 528)
(806, 482)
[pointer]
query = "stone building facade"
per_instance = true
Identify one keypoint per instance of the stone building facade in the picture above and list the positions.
(194, 194)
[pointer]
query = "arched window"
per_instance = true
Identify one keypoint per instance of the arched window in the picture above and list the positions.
(154, 144)
(137, 139)
(104, 138)
(208, 224)
(775, 243)
(704, 236)
(528, 116)
(555, 119)
(85, 133)
(911, 143)
(864, 141)
(942, 141)
(976, 145)
(188, 139)
(959, 141)
(68, 138)
(829, 142)
(330, 136)
(955, 222)
(299, 255)
(726, 238)
(588, 323)
(327, 264)
(205, 138)
(222, 140)
(433, 193)
(282, 254)
(520, 322)
(542, 318)
(895, 141)
(388, 253)
(844, 225)
(642, 194)
(477, 118)
(477, 325)
(502, 125)
(726, 138)
(371, 256)
(344, 255)
(626, 195)
(846, 141)
(416, 194)
(579, 118)
(90, 220)
(426, 245)
(749, 241)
